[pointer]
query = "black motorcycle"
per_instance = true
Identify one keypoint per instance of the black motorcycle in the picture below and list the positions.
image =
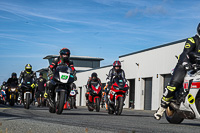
(27, 93)
(62, 79)
(13, 94)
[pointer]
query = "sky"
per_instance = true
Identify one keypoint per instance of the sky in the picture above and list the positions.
(33, 29)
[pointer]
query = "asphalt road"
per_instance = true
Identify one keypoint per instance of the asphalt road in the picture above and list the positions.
(38, 120)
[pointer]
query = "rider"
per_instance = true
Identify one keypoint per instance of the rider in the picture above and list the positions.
(62, 59)
(75, 89)
(3, 87)
(27, 74)
(93, 79)
(115, 71)
(40, 89)
(11, 81)
(184, 64)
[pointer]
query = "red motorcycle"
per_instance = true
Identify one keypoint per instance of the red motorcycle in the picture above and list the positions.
(116, 96)
(94, 97)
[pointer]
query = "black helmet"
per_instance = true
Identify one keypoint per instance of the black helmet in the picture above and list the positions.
(94, 74)
(198, 30)
(41, 74)
(28, 68)
(4, 83)
(65, 51)
(14, 74)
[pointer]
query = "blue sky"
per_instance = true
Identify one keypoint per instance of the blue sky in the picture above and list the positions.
(32, 29)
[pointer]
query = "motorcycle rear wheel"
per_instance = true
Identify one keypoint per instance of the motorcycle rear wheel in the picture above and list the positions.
(90, 108)
(172, 116)
(72, 103)
(52, 110)
(110, 111)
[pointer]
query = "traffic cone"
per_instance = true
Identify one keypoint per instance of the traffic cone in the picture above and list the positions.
(65, 106)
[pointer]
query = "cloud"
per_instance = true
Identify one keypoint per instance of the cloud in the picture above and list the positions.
(22, 56)
(147, 11)
(28, 13)
(16, 37)
(5, 18)
(57, 29)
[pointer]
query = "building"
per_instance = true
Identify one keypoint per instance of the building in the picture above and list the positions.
(147, 71)
(81, 63)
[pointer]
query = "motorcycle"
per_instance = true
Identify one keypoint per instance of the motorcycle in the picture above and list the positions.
(28, 96)
(13, 93)
(72, 97)
(94, 97)
(116, 96)
(189, 98)
(3, 97)
(62, 79)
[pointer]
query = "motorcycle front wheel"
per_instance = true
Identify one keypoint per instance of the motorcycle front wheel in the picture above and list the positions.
(172, 116)
(12, 101)
(119, 109)
(60, 102)
(97, 105)
(27, 102)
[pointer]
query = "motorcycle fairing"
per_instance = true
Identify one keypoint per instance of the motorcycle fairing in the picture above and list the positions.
(64, 77)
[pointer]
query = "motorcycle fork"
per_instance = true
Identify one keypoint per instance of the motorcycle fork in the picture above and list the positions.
(56, 97)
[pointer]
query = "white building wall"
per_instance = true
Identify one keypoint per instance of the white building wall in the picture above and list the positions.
(157, 61)
(152, 62)
(83, 78)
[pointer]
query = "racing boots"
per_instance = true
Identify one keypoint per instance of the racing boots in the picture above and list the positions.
(159, 113)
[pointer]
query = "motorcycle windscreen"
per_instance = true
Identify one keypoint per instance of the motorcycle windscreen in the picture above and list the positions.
(63, 69)
(120, 82)
(28, 80)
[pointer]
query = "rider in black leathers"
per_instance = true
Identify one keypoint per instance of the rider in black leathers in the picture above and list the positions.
(11, 81)
(114, 72)
(63, 59)
(26, 75)
(92, 80)
(192, 46)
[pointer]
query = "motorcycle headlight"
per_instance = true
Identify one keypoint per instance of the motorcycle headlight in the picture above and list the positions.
(13, 89)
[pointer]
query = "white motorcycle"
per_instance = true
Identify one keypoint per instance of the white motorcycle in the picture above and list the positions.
(189, 99)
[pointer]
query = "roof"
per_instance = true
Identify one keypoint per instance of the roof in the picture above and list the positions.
(160, 46)
(42, 70)
(95, 68)
(73, 57)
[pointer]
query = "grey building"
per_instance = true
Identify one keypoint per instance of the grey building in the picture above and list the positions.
(81, 63)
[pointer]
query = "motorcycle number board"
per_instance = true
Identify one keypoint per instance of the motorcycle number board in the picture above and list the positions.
(64, 77)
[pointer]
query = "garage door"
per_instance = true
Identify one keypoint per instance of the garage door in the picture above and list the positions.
(167, 79)
(147, 93)
(132, 93)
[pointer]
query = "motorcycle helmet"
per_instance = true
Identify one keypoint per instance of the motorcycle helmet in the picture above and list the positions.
(28, 68)
(65, 51)
(14, 75)
(117, 64)
(4, 83)
(94, 76)
(41, 74)
(198, 30)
